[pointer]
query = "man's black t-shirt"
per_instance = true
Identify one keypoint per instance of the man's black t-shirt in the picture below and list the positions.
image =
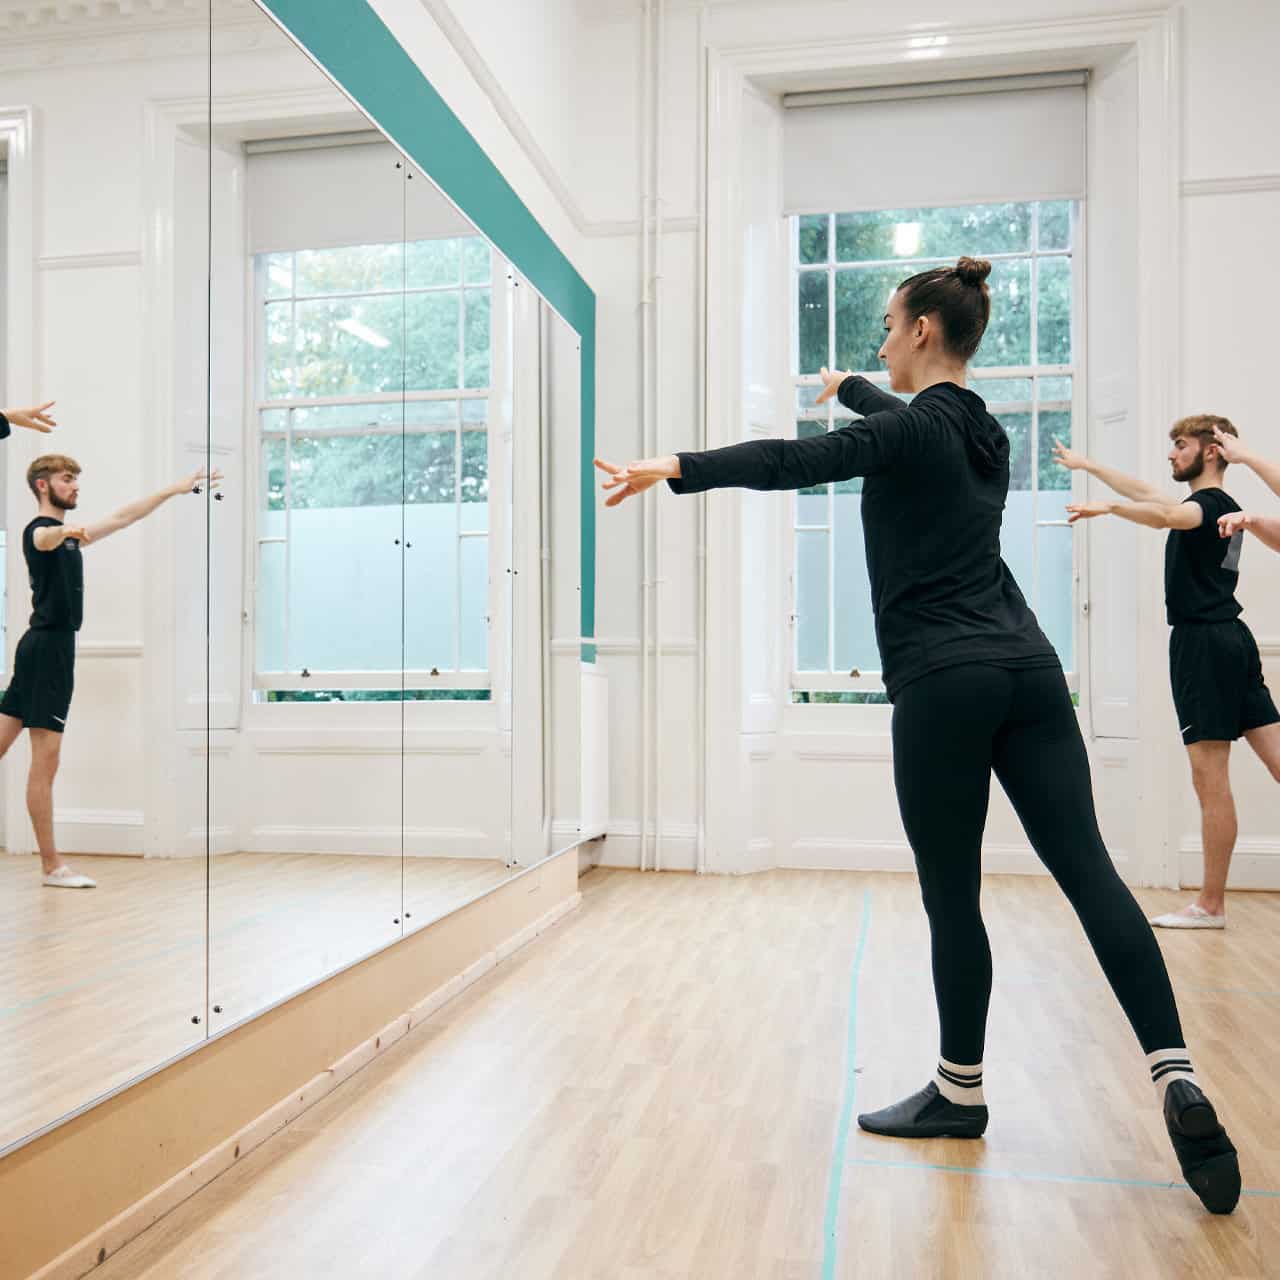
(57, 580)
(937, 476)
(1201, 568)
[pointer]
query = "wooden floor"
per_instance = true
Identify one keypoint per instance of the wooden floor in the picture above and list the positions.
(655, 1089)
(99, 985)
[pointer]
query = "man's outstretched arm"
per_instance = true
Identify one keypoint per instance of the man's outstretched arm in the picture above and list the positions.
(143, 507)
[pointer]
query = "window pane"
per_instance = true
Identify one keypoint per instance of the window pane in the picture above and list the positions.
(1008, 336)
(441, 414)
(812, 235)
(1054, 604)
(475, 467)
(278, 275)
(1017, 539)
(348, 346)
(1053, 320)
(474, 604)
(275, 419)
(475, 409)
(477, 261)
(812, 315)
(277, 355)
(430, 467)
(1054, 426)
(328, 472)
(273, 455)
(1055, 225)
(861, 298)
(811, 601)
(477, 338)
(1018, 428)
(433, 340)
(806, 428)
(433, 262)
(431, 586)
(361, 268)
(1055, 389)
(805, 406)
(271, 595)
(913, 234)
(855, 629)
(996, 391)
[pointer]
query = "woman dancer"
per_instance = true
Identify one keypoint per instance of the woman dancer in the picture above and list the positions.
(976, 689)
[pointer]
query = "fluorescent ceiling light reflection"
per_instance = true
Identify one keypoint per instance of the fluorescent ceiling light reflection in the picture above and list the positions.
(906, 239)
(364, 333)
(926, 46)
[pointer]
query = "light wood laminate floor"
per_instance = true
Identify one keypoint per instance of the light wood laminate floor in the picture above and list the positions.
(655, 1088)
(100, 984)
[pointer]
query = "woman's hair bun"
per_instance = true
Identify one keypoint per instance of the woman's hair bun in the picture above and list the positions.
(973, 270)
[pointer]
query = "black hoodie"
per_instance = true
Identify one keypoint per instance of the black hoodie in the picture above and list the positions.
(937, 474)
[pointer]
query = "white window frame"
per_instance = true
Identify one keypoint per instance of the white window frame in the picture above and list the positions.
(410, 680)
(872, 682)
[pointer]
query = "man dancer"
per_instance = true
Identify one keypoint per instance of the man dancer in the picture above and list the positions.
(39, 695)
(1215, 669)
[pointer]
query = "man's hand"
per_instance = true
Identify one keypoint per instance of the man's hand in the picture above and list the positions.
(35, 419)
(831, 380)
(1086, 510)
(77, 533)
(636, 477)
(1068, 458)
(1231, 524)
(193, 482)
(1230, 447)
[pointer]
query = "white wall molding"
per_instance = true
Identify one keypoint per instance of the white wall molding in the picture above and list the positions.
(377, 842)
(998, 858)
(109, 1239)
(90, 261)
(110, 649)
(1231, 186)
(622, 847)
(1255, 864)
(118, 831)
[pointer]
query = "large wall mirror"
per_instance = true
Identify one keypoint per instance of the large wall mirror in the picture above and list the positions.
(298, 678)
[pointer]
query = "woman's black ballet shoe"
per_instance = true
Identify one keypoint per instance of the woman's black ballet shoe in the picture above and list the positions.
(1208, 1159)
(926, 1114)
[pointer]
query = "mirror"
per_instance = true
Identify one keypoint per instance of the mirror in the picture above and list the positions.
(333, 692)
(101, 983)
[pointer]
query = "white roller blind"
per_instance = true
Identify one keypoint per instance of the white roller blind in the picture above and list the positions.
(875, 149)
(307, 196)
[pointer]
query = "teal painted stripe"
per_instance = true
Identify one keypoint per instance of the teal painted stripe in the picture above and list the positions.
(588, 652)
(1008, 1175)
(838, 1154)
(355, 48)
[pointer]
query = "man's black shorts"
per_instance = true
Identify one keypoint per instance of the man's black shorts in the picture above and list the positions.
(39, 694)
(1218, 687)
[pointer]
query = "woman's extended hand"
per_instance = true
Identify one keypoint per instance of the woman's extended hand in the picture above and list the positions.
(1086, 510)
(636, 477)
(1231, 524)
(831, 380)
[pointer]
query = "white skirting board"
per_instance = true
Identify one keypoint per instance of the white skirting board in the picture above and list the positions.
(594, 749)
(108, 1239)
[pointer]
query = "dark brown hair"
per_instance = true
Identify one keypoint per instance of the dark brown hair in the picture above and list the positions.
(960, 298)
(48, 465)
(1201, 426)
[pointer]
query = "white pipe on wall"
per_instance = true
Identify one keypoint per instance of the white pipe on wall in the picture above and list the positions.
(658, 116)
(646, 501)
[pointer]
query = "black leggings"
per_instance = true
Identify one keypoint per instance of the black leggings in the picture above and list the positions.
(951, 729)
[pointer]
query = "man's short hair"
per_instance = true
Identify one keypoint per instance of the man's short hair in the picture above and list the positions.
(47, 465)
(1202, 426)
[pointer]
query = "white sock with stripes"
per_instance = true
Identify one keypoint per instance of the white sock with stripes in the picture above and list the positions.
(1168, 1065)
(958, 1083)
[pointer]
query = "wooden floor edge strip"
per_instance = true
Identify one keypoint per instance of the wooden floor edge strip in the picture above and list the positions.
(107, 1240)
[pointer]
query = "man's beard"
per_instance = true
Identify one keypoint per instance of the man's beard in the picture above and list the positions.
(1192, 470)
(63, 504)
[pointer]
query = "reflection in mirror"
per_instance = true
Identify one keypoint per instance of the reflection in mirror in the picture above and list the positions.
(458, 530)
(102, 884)
(566, 678)
(312, 304)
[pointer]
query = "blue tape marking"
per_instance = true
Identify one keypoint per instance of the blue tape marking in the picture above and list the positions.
(846, 1112)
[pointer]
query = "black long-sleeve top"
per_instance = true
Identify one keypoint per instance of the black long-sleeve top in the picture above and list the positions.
(936, 478)
(4, 427)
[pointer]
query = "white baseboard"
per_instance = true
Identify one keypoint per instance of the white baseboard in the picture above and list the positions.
(99, 1245)
(622, 848)
(99, 830)
(1254, 865)
(419, 842)
(889, 855)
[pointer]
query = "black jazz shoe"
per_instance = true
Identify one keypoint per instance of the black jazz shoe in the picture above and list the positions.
(926, 1114)
(1204, 1151)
